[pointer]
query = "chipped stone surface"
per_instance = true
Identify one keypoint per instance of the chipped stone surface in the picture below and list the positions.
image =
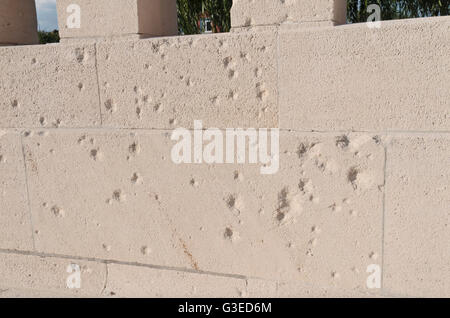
(226, 80)
(418, 217)
(375, 83)
(88, 207)
(325, 223)
(48, 86)
(217, 223)
(15, 224)
(132, 281)
(26, 275)
(245, 13)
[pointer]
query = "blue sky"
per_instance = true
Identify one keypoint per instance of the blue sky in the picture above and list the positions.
(46, 13)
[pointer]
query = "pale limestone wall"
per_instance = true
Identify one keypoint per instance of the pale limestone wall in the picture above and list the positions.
(248, 13)
(117, 18)
(86, 175)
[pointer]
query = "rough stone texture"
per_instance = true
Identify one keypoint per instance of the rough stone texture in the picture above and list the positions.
(270, 289)
(13, 292)
(14, 211)
(245, 13)
(318, 219)
(418, 217)
(225, 80)
(108, 18)
(85, 203)
(356, 78)
(108, 192)
(132, 281)
(18, 22)
(325, 208)
(33, 276)
(48, 86)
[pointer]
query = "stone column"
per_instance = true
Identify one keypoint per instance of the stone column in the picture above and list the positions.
(249, 13)
(18, 22)
(96, 19)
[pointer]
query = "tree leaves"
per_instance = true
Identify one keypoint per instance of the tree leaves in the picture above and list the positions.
(189, 13)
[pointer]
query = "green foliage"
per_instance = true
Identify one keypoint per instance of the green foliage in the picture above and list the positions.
(189, 12)
(397, 9)
(219, 11)
(48, 37)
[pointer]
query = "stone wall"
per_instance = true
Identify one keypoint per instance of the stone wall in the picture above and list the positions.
(86, 175)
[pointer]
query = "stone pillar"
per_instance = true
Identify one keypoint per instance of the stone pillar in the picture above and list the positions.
(18, 22)
(248, 13)
(84, 19)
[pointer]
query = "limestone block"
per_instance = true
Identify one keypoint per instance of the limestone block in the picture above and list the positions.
(90, 197)
(18, 22)
(107, 18)
(119, 196)
(323, 209)
(245, 13)
(385, 80)
(257, 288)
(48, 86)
(133, 281)
(15, 224)
(225, 80)
(418, 217)
(13, 292)
(35, 276)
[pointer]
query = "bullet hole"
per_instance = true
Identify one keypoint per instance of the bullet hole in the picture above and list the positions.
(135, 178)
(110, 106)
(145, 250)
(134, 148)
(96, 154)
(231, 201)
(193, 183)
(118, 196)
(302, 150)
(79, 55)
(335, 275)
(342, 142)
(352, 176)
(57, 211)
(280, 216)
(228, 234)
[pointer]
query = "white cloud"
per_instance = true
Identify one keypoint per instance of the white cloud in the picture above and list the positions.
(46, 12)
